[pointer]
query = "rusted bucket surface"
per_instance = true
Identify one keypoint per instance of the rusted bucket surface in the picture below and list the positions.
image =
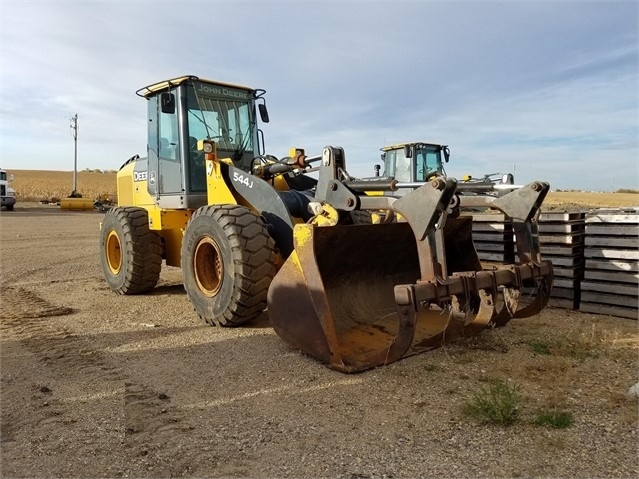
(334, 298)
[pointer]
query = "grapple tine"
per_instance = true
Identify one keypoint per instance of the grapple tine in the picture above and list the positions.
(451, 328)
(540, 300)
(481, 285)
(485, 314)
(509, 302)
(473, 309)
(524, 211)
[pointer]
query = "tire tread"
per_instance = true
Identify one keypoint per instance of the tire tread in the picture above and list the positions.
(144, 248)
(253, 254)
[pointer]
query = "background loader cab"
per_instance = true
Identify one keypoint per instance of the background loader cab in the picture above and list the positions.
(414, 162)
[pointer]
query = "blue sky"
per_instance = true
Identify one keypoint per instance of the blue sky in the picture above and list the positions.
(545, 89)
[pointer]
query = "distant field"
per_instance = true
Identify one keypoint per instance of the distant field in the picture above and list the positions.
(570, 200)
(35, 185)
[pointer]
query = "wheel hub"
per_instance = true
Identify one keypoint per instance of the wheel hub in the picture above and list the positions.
(113, 252)
(208, 267)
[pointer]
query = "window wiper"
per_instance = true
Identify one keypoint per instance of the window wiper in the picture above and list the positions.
(239, 151)
(201, 120)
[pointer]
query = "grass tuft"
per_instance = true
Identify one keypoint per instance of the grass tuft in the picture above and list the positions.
(495, 403)
(554, 419)
(539, 347)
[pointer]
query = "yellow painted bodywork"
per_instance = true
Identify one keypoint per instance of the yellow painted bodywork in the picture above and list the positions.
(280, 184)
(217, 191)
(161, 220)
(170, 224)
(303, 234)
(172, 242)
(132, 193)
(125, 186)
(328, 217)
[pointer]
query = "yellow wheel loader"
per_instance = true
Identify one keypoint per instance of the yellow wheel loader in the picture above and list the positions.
(254, 232)
(411, 164)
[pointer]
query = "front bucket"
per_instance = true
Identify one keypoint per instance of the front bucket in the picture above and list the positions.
(334, 298)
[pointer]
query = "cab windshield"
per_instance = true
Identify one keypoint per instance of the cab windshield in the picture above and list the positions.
(424, 161)
(428, 160)
(223, 114)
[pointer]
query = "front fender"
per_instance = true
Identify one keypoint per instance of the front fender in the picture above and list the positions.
(266, 201)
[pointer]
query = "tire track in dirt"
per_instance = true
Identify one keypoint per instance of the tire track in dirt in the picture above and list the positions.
(19, 303)
(148, 411)
(65, 359)
(13, 278)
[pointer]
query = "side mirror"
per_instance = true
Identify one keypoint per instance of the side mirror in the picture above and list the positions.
(263, 112)
(377, 168)
(446, 154)
(167, 103)
(408, 152)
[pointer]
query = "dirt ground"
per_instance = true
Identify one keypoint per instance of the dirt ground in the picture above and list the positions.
(99, 385)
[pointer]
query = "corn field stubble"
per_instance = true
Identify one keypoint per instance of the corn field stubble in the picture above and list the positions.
(37, 185)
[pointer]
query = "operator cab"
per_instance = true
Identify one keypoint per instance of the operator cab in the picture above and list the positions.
(414, 162)
(410, 162)
(185, 110)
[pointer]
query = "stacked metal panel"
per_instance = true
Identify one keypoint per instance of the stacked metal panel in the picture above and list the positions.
(493, 237)
(561, 240)
(611, 279)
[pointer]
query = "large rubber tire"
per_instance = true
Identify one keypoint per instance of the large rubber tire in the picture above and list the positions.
(130, 253)
(9, 207)
(228, 262)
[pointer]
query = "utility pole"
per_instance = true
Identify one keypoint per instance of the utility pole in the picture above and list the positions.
(74, 134)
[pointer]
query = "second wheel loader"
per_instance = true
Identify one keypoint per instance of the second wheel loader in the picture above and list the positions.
(254, 232)
(414, 163)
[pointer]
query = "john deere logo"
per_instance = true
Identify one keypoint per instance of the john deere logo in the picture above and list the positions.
(222, 91)
(139, 176)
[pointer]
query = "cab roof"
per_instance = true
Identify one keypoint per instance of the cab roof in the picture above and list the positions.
(150, 90)
(399, 146)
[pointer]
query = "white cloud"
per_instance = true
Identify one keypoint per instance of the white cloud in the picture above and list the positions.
(548, 87)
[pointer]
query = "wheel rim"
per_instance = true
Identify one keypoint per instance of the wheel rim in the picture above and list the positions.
(113, 252)
(208, 267)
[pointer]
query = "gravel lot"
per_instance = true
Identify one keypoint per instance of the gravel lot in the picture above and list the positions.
(99, 385)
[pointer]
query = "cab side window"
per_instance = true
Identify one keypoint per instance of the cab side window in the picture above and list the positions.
(170, 169)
